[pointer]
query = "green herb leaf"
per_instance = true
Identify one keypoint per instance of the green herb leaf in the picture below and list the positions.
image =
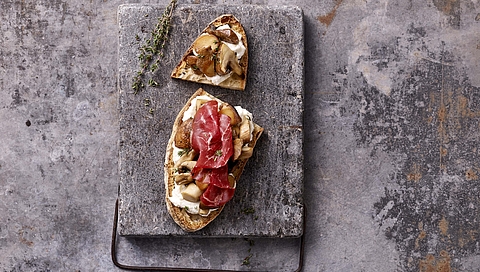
(248, 210)
(153, 48)
(246, 261)
(184, 151)
(218, 153)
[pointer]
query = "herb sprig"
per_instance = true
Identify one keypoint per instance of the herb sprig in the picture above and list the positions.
(152, 51)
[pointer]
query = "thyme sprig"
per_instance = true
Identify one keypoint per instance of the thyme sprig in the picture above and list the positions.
(151, 52)
(246, 260)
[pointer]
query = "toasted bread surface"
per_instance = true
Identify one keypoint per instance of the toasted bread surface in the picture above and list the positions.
(193, 222)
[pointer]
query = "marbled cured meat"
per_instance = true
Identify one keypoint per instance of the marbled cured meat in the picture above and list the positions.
(215, 196)
(211, 136)
(212, 140)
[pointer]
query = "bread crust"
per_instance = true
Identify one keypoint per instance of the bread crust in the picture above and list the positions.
(193, 222)
(235, 82)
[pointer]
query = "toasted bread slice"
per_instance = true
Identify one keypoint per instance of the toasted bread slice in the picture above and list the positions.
(218, 56)
(182, 216)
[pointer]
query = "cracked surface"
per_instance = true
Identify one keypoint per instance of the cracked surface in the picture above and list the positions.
(391, 136)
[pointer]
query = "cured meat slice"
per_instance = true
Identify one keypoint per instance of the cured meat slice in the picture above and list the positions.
(217, 176)
(215, 196)
(211, 136)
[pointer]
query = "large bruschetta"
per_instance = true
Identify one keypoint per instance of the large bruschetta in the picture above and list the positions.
(219, 56)
(210, 144)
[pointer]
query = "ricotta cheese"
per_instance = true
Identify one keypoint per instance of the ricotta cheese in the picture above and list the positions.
(178, 201)
(190, 112)
(217, 79)
(238, 48)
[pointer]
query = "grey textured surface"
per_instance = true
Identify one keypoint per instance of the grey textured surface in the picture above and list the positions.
(391, 140)
(272, 182)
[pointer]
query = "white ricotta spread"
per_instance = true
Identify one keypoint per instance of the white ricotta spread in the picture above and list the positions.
(178, 201)
(190, 112)
(217, 79)
(175, 156)
(238, 48)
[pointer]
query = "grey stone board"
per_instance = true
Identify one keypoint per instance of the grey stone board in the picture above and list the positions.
(272, 183)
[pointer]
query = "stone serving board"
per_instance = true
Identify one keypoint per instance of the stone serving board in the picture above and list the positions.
(268, 201)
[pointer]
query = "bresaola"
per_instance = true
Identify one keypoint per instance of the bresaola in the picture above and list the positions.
(219, 190)
(211, 136)
(210, 144)
(212, 140)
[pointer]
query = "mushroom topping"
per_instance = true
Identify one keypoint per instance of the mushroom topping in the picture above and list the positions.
(188, 165)
(206, 40)
(182, 137)
(183, 178)
(245, 132)
(188, 155)
(205, 62)
(191, 60)
(203, 212)
(192, 193)
(201, 185)
(247, 152)
(231, 112)
(227, 59)
(226, 35)
(237, 148)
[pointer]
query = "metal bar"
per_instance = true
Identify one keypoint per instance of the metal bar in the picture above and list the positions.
(180, 269)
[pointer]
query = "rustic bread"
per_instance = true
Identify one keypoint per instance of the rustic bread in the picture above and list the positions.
(186, 71)
(193, 222)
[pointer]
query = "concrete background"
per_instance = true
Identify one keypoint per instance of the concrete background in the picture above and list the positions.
(391, 134)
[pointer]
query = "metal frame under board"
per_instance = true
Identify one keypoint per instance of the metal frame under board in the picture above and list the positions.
(154, 268)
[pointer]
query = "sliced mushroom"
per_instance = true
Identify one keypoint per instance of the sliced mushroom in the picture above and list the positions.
(182, 136)
(203, 212)
(205, 62)
(231, 112)
(188, 155)
(218, 67)
(226, 35)
(247, 152)
(235, 131)
(188, 165)
(183, 178)
(237, 148)
(201, 185)
(192, 193)
(227, 59)
(191, 60)
(245, 132)
(207, 40)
